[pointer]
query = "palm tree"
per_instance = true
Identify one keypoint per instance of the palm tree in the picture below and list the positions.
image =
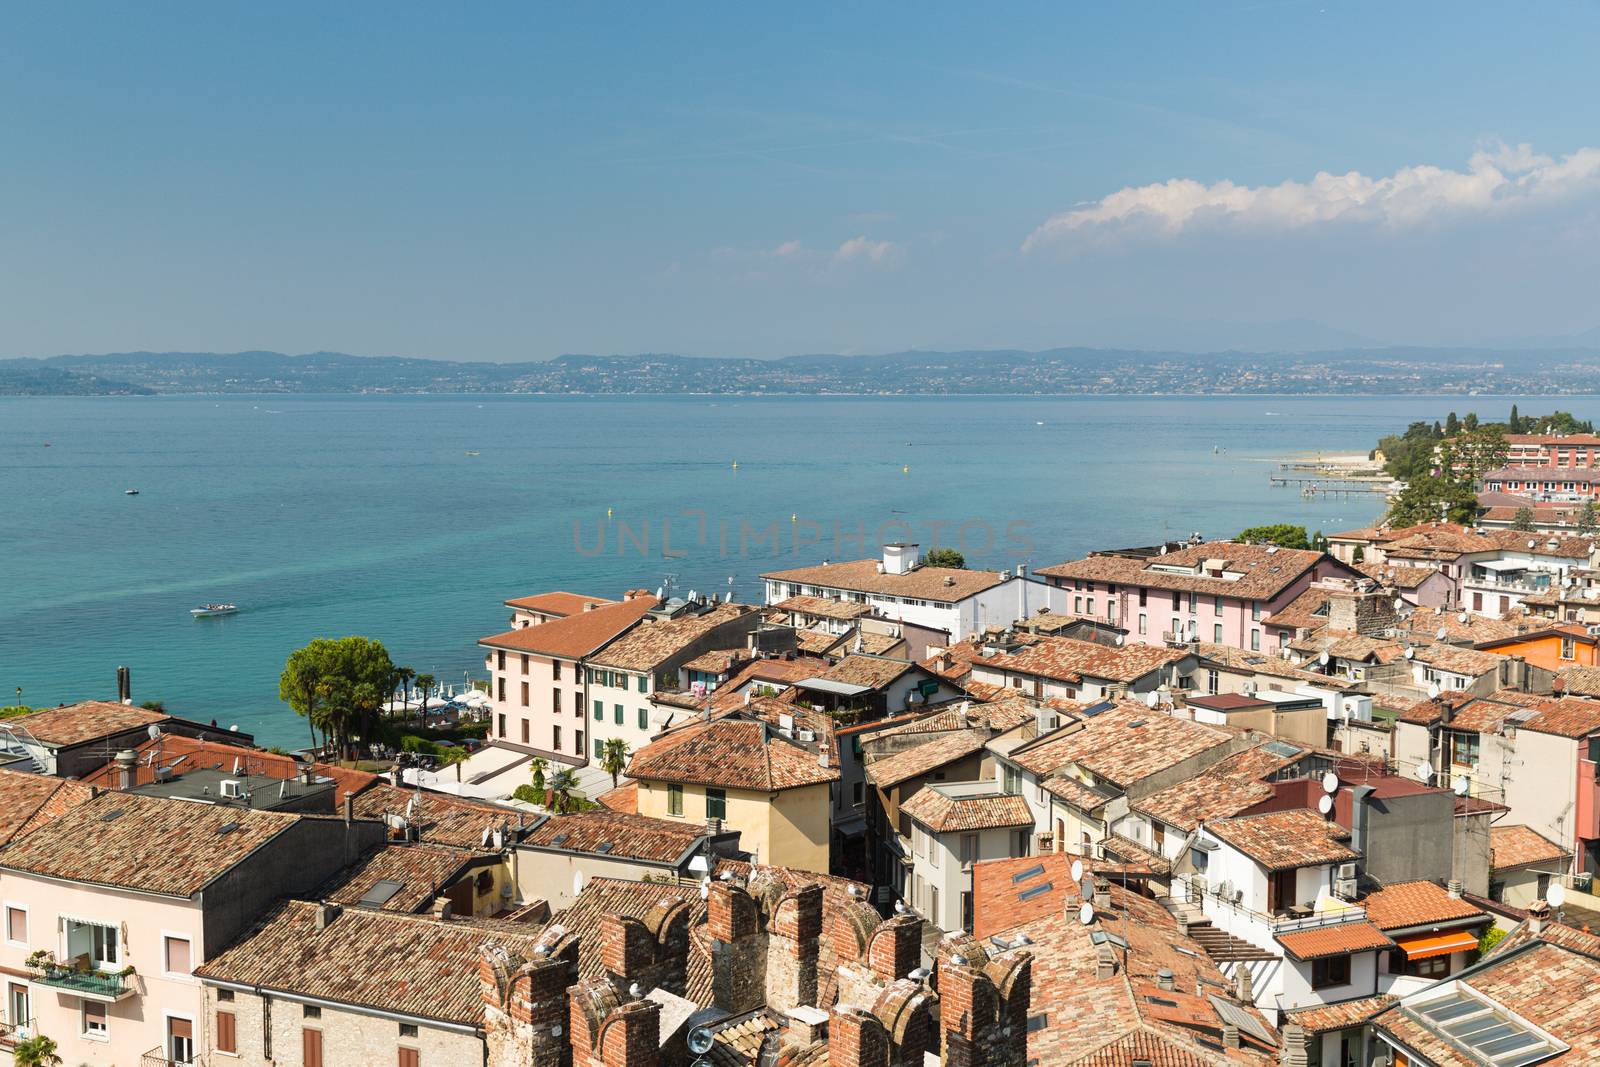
(613, 758)
(562, 784)
(402, 677)
(538, 765)
(425, 682)
(36, 1051)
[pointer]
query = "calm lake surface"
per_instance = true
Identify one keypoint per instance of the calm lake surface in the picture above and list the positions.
(325, 516)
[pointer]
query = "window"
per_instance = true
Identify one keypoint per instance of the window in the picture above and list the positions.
(102, 944)
(1194, 603)
(577, 742)
(502, 724)
(94, 1020)
(1255, 611)
(311, 1048)
(674, 798)
(1012, 778)
(408, 1029)
(1142, 597)
(1255, 640)
(1211, 682)
(1566, 648)
(1089, 603)
(1077, 605)
(16, 925)
(716, 804)
(1019, 843)
(227, 1034)
(178, 960)
(1177, 602)
(409, 1057)
(1142, 622)
(644, 686)
(524, 694)
(1217, 601)
(617, 713)
(1463, 748)
(555, 700)
(599, 748)
(1216, 633)
(1333, 971)
(599, 711)
(555, 670)
(525, 731)
(500, 688)
(310, 1011)
(555, 738)
(644, 718)
(969, 849)
(524, 663)
(500, 660)
(1432, 967)
(933, 851)
(225, 996)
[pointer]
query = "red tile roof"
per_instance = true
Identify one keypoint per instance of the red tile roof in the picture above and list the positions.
(182, 754)
(1071, 660)
(1340, 940)
(624, 798)
(1406, 904)
(1258, 572)
(578, 635)
(611, 833)
(866, 576)
(946, 814)
(1522, 846)
(888, 771)
(655, 641)
(421, 871)
(28, 801)
(74, 724)
(439, 818)
(558, 603)
(733, 753)
(1285, 840)
(1325, 1018)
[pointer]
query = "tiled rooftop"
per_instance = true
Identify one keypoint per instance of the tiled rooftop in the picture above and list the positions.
(1521, 846)
(406, 964)
(1070, 660)
(575, 636)
(1251, 572)
(825, 607)
(1201, 798)
(179, 755)
(864, 576)
(74, 724)
(1285, 840)
(1325, 1018)
(614, 834)
(873, 672)
(419, 871)
(29, 801)
(1406, 904)
(1338, 940)
(735, 753)
(170, 847)
(439, 818)
(654, 641)
(945, 810)
(558, 603)
(888, 771)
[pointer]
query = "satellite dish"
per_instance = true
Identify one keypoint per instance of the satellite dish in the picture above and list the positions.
(1324, 804)
(154, 731)
(1444, 632)
(1556, 895)
(1399, 602)
(1462, 617)
(1423, 773)
(1086, 913)
(1330, 782)
(1433, 691)
(1323, 658)
(1460, 784)
(577, 883)
(1077, 870)
(700, 1039)
(1119, 640)
(1410, 652)
(1152, 698)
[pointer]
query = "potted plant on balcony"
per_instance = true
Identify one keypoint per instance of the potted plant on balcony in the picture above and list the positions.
(41, 960)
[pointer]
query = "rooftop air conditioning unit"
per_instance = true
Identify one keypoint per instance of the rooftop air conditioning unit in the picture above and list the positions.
(231, 787)
(1346, 871)
(1345, 889)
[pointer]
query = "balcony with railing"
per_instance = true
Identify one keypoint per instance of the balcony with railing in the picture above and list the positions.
(106, 986)
(1257, 927)
(13, 1032)
(157, 1057)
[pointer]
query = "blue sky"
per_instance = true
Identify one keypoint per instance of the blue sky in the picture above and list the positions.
(505, 182)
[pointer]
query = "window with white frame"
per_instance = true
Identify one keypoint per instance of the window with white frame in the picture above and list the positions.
(94, 1021)
(99, 943)
(177, 954)
(16, 925)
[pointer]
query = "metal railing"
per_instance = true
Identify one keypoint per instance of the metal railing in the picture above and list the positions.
(1281, 923)
(11, 1033)
(93, 983)
(157, 1057)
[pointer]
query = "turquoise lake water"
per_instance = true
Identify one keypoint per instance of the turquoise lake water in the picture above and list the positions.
(324, 516)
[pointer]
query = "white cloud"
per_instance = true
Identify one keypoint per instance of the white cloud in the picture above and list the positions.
(787, 249)
(878, 253)
(1495, 179)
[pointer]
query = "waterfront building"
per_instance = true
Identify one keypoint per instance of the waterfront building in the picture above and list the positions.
(75, 739)
(548, 607)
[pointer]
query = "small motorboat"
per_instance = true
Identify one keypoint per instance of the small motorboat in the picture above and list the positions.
(130, 492)
(207, 610)
(470, 453)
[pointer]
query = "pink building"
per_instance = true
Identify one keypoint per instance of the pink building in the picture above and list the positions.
(110, 907)
(1221, 592)
(548, 607)
(537, 676)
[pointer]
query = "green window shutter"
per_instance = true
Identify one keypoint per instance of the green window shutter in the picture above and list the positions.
(599, 711)
(618, 714)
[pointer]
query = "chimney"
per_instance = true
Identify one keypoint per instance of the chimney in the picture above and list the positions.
(1246, 984)
(124, 686)
(1105, 963)
(1165, 980)
(325, 914)
(126, 761)
(1538, 912)
(441, 908)
(1295, 1052)
(349, 808)
(1102, 895)
(857, 1039)
(1230, 1035)
(1452, 889)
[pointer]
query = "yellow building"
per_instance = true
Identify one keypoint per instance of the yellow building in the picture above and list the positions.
(771, 788)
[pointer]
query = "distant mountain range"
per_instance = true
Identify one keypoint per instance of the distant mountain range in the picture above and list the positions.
(1523, 369)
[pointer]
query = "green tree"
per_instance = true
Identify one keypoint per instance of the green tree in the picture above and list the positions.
(1452, 425)
(425, 682)
(36, 1051)
(1513, 424)
(1433, 497)
(1470, 423)
(402, 681)
(945, 557)
(1588, 518)
(562, 783)
(1281, 534)
(614, 758)
(1474, 452)
(1523, 519)
(539, 765)
(1359, 555)
(338, 684)
(1491, 936)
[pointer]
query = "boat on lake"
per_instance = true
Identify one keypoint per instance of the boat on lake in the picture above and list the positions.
(208, 610)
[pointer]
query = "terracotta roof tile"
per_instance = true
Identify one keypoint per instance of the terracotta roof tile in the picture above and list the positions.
(624, 798)
(942, 813)
(655, 641)
(1521, 846)
(1203, 797)
(578, 635)
(863, 576)
(888, 771)
(1285, 840)
(1337, 940)
(28, 801)
(74, 724)
(1259, 574)
(420, 870)
(558, 603)
(734, 753)
(181, 754)
(170, 847)
(823, 607)
(1407, 904)
(406, 964)
(440, 818)
(1068, 659)
(615, 834)
(1325, 1018)
(874, 672)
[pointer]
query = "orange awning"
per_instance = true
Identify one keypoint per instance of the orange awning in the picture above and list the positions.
(1422, 946)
